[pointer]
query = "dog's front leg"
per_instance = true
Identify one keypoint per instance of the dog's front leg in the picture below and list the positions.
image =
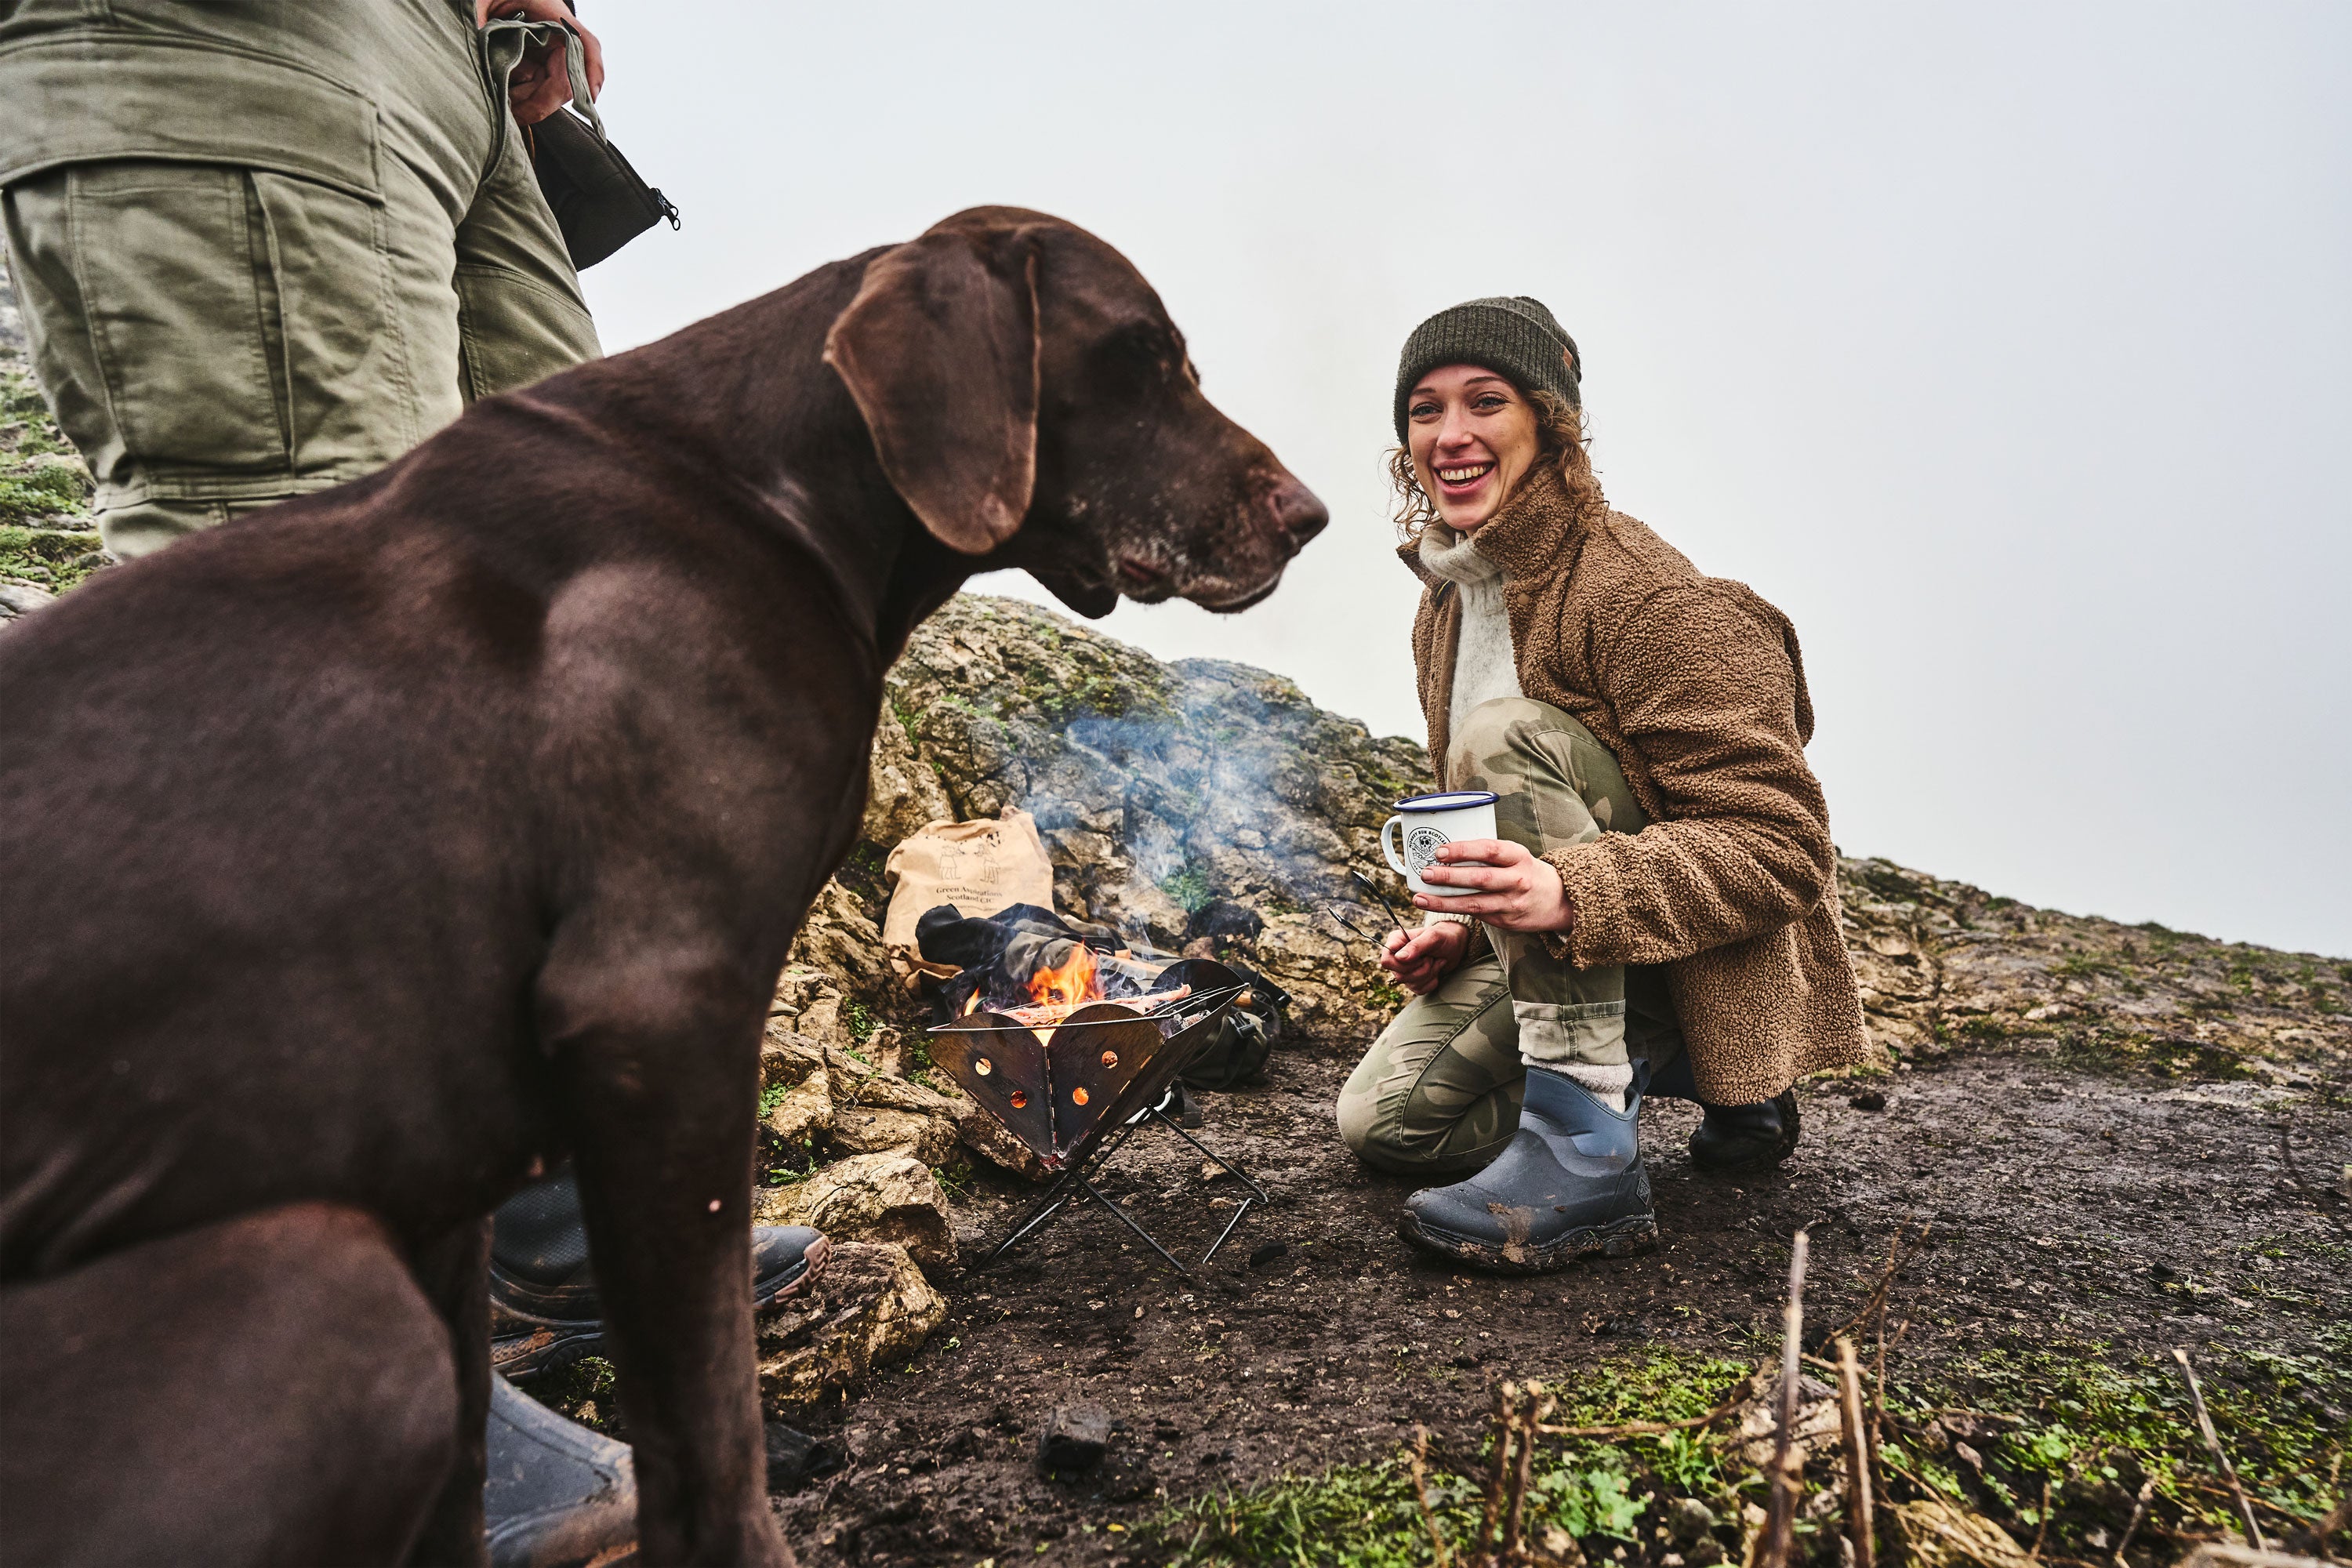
(455, 1275)
(660, 1066)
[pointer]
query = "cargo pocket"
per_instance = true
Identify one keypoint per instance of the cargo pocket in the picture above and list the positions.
(174, 275)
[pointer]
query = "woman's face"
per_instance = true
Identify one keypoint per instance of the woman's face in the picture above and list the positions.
(1472, 433)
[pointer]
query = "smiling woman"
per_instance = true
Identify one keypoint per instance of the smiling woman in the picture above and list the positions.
(1657, 909)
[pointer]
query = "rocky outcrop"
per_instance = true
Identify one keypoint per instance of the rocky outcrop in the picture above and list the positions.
(869, 1309)
(47, 541)
(890, 1196)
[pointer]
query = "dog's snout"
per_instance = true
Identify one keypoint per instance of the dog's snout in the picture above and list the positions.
(1297, 513)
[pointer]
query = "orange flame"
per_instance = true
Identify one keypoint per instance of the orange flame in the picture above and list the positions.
(971, 1004)
(1072, 982)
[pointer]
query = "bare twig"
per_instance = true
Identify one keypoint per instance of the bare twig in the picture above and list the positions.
(1653, 1429)
(1898, 1255)
(1439, 1556)
(1539, 1405)
(1781, 1520)
(2213, 1445)
(2139, 1513)
(1859, 1527)
(2042, 1531)
(1504, 1430)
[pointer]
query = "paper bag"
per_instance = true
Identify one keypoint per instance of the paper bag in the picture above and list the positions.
(979, 867)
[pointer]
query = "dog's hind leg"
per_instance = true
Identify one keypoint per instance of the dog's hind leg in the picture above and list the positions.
(455, 1275)
(270, 1389)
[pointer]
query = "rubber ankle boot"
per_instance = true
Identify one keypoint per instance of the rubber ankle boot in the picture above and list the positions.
(554, 1494)
(1733, 1138)
(543, 1309)
(1569, 1183)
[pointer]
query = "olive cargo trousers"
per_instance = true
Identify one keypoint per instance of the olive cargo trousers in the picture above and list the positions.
(1439, 1092)
(264, 249)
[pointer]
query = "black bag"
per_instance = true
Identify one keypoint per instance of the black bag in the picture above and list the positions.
(600, 203)
(1245, 1035)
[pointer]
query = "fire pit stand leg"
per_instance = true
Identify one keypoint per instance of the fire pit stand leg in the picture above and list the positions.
(1059, 1196)
(1257, 1193)
(1128, 1220)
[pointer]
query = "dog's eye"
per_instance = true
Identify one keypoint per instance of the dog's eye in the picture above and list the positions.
(1141, 356)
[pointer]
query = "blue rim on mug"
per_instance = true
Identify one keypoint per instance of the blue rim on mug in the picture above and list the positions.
(1448, 800)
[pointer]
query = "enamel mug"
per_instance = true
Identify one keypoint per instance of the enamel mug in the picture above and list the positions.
(1427, 823)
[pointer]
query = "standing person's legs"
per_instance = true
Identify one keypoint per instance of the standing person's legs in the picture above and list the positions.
(216, 337)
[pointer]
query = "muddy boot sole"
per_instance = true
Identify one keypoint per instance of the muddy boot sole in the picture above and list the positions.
(1618, 1238)
(534, 1350)
(766, 1293)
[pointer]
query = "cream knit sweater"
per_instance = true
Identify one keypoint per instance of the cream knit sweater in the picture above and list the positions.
(1484, 665)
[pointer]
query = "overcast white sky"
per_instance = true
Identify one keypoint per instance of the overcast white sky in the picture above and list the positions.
(2008, 348)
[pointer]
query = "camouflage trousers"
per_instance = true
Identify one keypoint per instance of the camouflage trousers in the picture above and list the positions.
(1439, 1091)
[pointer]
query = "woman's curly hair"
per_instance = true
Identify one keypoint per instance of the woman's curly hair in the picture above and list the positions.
(1560, 435)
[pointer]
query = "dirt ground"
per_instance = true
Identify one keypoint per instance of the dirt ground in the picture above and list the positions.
(2070, 1209)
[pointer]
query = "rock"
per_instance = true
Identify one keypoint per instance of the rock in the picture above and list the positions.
(22, 599)
(1818, 1430)
(1869, 1100)
(1688, 1520)
(1942, 1536)
(889, 1197)
(987, 1137)
(903, 795)
(1074, 1440)
(870, 1308)
(795, 1088)
(873, 1111)
(872, 1130)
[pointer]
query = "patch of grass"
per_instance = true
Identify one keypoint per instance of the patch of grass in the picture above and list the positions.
(1365, 1516)
(770, 1098)
(2090, 1421)
(861, 1022)
(1188, 889)
(588, 1391)
(1356, 1516)
(57, 558)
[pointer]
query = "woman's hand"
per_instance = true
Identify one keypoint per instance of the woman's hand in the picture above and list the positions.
(541, 82)
(1502, 884)
(1427, 956)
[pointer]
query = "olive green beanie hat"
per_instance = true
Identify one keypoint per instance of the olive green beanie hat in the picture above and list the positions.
(1509, 334)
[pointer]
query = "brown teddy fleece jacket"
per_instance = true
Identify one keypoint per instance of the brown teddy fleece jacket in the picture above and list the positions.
(1695, 684)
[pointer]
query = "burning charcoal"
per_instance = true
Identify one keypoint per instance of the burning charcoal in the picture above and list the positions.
(1073, 1438)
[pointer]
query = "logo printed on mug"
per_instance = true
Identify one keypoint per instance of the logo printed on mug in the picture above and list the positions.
(1421, 845)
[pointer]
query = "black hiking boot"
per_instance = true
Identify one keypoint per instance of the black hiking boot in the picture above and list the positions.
(1733, 1138)
(554, 1494)
(543, 1309)
(1568, 1184)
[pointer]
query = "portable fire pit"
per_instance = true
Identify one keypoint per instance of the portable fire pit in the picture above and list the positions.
(1073, 1083)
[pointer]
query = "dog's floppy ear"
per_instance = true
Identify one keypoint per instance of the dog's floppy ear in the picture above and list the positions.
(940, 348)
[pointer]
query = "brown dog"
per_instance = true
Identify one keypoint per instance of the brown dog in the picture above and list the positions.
(361, 859)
